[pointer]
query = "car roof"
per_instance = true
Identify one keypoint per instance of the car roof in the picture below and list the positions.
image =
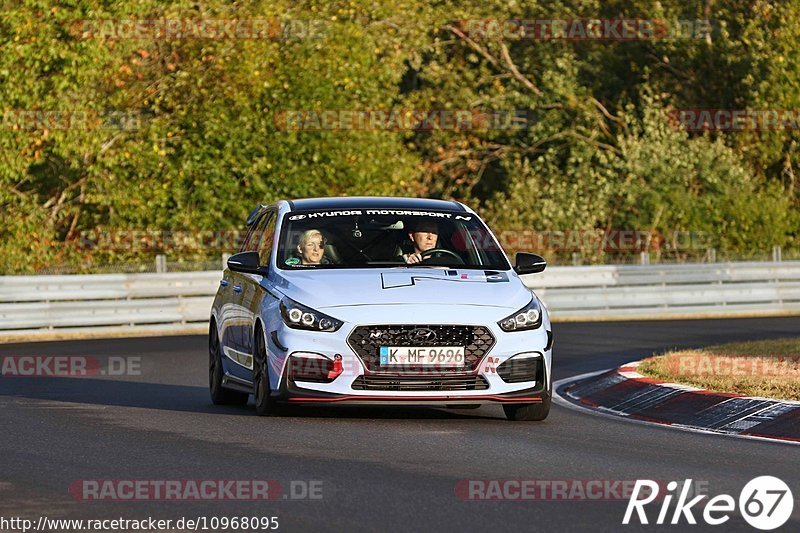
(373, 202)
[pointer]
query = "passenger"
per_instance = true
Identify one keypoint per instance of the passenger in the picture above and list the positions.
(425, 236)
(312, 248)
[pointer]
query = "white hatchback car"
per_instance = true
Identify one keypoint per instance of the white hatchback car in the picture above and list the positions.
(398, 301)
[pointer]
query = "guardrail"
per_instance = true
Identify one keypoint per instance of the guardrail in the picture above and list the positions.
(669, 291)
(36, 306)
(44, 305)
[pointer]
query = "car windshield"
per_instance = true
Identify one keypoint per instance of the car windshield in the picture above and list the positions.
(367, 238)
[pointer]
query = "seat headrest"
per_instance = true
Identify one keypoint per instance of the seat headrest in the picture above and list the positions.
(332, 254)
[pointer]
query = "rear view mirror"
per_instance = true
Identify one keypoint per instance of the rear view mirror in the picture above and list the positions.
(526, 263)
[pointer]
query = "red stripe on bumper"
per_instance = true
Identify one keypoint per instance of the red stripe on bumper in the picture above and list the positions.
(501, 399)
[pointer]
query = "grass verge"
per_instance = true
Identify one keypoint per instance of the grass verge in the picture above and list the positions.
(769, 368)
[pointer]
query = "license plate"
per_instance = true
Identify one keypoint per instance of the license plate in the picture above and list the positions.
(422, 355)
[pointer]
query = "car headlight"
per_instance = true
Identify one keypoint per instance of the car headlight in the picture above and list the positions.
(529, 317)
(298, 316)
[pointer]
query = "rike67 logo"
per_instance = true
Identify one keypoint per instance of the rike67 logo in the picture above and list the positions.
(765, 503)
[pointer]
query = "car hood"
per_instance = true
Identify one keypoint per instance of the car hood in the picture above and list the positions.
(323, 289)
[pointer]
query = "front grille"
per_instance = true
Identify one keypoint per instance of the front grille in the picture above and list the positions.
(367, 340)
(442, 383)
(516, 370)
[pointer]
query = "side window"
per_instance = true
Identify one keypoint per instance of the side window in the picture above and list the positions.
(265, 247)
(253, 238)
(247, 237)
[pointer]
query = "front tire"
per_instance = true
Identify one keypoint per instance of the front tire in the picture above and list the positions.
(533, 412)
(265, 403)
(219, 394)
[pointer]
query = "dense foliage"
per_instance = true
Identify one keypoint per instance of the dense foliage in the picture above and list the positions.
(200, 139)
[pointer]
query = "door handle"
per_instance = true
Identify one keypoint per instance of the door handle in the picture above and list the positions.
(237, 288)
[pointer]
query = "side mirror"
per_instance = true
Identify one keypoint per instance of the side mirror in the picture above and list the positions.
(529, 263)
(246, 262)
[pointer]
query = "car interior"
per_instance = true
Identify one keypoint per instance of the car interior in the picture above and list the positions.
(379, 240)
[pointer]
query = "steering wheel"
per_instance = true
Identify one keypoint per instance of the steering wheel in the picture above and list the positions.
(444, 251)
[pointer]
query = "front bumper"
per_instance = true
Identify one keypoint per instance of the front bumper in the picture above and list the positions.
(296, 394)
(356, 384)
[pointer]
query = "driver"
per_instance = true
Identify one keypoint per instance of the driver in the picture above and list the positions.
(312, 248)
(425, 236)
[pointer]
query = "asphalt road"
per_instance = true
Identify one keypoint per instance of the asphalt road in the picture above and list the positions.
(381, 469)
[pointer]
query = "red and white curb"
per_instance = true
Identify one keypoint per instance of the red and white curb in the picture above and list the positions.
(623, 392)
